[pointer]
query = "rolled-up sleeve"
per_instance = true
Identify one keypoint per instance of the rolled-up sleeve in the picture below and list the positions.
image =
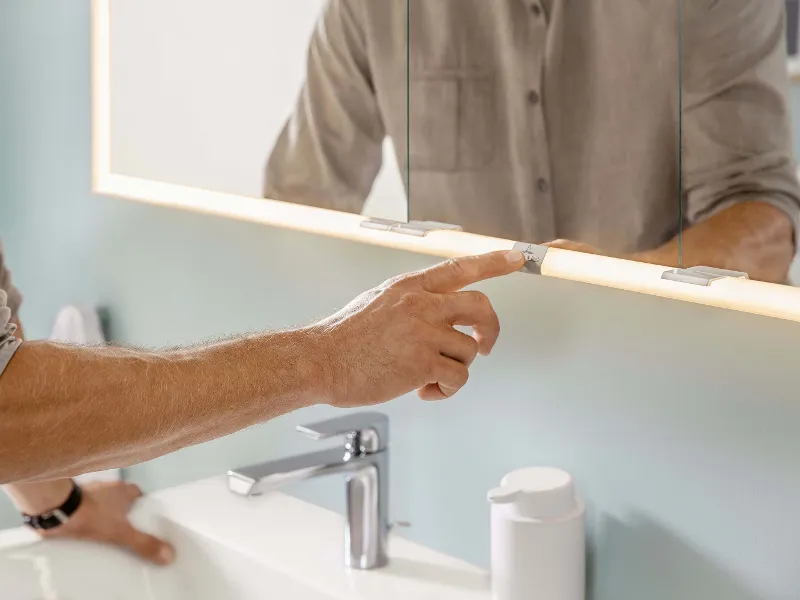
(8, 343)
(737, 134)
(10, 300)
(13, 297)
(330, 151)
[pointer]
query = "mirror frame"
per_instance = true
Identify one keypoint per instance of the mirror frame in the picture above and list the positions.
(781, 301)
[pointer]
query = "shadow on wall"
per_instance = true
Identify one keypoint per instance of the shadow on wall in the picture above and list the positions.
(650, 562)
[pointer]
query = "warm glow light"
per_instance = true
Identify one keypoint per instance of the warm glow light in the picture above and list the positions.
(736, 294)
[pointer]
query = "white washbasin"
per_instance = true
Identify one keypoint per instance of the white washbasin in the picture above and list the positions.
(230, 548)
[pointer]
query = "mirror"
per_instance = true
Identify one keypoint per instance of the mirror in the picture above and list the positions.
(545, 120)
(539, 121)
(262, 98)
(740, 193)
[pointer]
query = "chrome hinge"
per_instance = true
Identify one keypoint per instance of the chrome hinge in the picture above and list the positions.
(701, 275)
(417, 228)
(534, 257)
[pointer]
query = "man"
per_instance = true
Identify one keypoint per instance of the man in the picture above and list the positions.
(66, 410)
(557, 121)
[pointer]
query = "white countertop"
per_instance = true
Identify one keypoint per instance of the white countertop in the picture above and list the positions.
(277, 538)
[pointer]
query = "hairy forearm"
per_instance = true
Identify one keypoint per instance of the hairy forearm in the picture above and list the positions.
(36, 498)
(754, 237)
(68, 410)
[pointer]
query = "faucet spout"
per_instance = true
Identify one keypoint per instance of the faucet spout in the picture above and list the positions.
(265, 477)
(364, 462)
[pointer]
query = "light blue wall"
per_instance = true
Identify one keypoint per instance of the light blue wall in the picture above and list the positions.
(679, 422)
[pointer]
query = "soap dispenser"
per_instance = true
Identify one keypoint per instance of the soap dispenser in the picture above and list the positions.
(538, 548)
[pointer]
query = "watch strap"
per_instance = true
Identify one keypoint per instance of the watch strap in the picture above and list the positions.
(57, 516)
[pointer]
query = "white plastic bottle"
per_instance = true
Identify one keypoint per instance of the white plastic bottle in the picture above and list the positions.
(538, 537)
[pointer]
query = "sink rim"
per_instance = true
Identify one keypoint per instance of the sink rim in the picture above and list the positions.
(300, 541)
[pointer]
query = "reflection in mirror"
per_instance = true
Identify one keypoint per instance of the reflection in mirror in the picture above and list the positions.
(740, 194)
(548, 121)
(263, 98)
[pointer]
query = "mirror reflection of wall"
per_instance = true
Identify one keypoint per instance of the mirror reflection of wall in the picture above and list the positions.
(262, 97)
(548, 121)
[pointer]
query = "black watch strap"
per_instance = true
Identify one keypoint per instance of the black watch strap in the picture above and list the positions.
(58, 516)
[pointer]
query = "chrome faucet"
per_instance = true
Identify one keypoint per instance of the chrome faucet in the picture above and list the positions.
(364, 461)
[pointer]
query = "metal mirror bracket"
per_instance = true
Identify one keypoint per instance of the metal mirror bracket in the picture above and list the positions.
(703, 276)
(416, 228)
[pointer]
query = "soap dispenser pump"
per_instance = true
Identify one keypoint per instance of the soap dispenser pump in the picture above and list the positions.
(538, 548)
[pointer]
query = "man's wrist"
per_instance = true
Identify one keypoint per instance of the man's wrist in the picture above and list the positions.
(40, 497)
(316, 364)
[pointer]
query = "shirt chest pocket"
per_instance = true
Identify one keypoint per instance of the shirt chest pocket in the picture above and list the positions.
(452, 121)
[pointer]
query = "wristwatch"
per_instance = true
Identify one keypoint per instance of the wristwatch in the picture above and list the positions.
(57, 516)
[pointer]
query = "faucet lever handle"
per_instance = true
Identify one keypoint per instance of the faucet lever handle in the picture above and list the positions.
(372, 429)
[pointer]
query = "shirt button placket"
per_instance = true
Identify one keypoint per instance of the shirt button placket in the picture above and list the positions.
(545, 223)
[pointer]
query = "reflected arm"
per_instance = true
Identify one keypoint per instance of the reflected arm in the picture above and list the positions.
(330, 151)
(740, 190)
(753, 237)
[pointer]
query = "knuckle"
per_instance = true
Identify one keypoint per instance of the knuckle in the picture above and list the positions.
(413, 302)
(461, 376)
(395, 282)
(456, 267)
(428, 365)
(482, 302)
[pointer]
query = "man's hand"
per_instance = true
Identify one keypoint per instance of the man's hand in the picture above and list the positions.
(400, 336)
(394, 339)
(103, 517)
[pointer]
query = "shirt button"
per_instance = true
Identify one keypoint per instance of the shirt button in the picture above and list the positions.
(542, 185)
(533, 97)
(536, 10)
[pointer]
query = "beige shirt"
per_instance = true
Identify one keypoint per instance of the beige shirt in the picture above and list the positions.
(535, 122)
(9, 304)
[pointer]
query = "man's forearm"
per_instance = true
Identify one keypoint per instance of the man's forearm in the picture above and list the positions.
(754, 237)
(68, 410)
(36, 498)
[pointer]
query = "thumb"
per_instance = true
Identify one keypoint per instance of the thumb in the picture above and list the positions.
(148, 547)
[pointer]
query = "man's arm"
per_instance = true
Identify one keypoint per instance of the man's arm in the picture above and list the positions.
(66, 410)
(753, 237)
(742, 197)
(103, 513)
(740, 192)
(330, 150)
(69, 410)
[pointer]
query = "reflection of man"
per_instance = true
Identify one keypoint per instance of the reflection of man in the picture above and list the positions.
(544, 119)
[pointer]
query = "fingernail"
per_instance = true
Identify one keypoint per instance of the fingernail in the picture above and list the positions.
(166, 555)
(514, 257)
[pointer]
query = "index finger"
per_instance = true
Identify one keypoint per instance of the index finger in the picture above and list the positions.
(457, 273)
